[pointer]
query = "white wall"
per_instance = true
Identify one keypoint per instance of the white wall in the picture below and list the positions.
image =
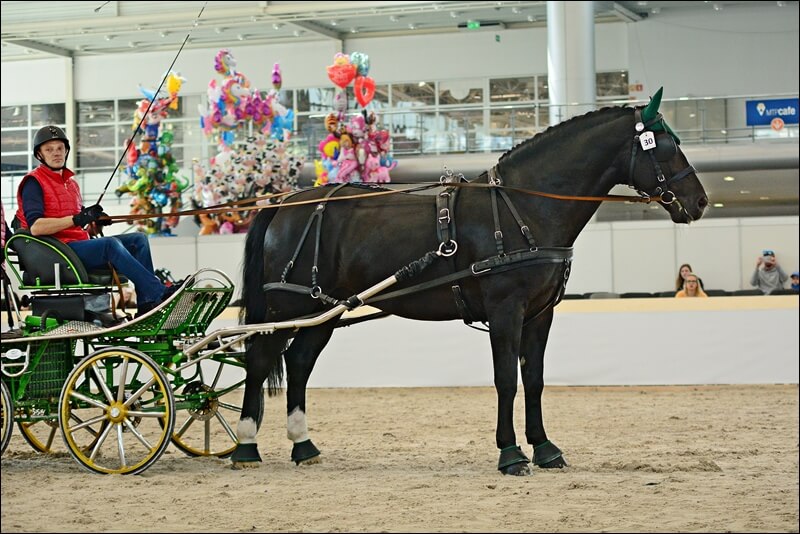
(617, 257)
(592, 342)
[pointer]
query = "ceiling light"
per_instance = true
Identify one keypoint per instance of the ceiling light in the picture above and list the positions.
(109, 37)
(744, 192)
(763, 198)
(240, 37)
(297, 33)
(334, 22)
(455, 14)
(781, 4)
(729, 178)
(80, 48)
(531, 18)
(412, 26)
(516, 10)
(132, 44)
(655, 10)
(218, 30)
(642, 4)
(421, 84)
(353, 30)
(394, 18)
(717, 6)
(719, 205)
(277, 26)
(163, 33)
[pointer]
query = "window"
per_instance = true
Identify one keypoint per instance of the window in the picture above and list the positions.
(512, 89)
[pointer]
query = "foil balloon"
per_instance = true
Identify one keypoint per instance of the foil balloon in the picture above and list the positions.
(361, 61)
(342, 72)
(364, 89)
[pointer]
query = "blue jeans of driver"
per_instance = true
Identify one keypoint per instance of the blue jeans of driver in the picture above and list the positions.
(130, 255)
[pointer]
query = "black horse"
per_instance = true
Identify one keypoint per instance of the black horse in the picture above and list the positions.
(505, 262)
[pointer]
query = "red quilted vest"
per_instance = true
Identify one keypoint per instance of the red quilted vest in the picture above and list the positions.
(62, 197)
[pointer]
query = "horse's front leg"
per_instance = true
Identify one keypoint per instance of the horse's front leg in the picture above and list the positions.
(534, 341)
(504, 333)
(300, 358)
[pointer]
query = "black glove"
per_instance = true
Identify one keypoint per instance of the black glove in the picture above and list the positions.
(88, 214)
(106, 221)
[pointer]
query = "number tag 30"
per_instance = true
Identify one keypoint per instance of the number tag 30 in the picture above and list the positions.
(647, 140)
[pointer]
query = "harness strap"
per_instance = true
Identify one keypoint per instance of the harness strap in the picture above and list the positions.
(498, 233)
(445, 220)
(492, 265)
(316, 216)
(461, 305)
(522, 226)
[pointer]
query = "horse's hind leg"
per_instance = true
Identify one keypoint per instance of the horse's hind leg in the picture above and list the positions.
(300, 358)
(263, 359)
(534, 341)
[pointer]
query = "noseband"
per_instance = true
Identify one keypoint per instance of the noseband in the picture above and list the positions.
(645, 139)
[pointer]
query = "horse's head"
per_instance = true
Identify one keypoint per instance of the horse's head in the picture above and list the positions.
(659, 169)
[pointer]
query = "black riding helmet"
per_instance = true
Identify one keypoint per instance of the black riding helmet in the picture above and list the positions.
(45, 134)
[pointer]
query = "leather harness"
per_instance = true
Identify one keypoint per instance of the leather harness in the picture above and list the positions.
(448, 245)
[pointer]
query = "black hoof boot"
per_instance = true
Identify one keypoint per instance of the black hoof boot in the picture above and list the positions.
(304, 452)
(548, 456)
(513, 462)
(245, 453)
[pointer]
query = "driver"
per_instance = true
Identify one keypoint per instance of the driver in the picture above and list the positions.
(50, 203)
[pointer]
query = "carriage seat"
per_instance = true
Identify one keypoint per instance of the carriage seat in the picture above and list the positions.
(38, 257)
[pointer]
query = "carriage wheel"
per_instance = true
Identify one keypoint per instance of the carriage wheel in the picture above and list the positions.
(125, 394)
(206, 428)
(7, 417)
(41, 434)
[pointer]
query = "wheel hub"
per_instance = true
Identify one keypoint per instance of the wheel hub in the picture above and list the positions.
(207, 407)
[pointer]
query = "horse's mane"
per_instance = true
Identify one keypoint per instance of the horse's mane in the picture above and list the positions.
(602, 114)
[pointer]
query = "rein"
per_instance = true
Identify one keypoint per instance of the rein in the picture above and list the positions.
(261, 201)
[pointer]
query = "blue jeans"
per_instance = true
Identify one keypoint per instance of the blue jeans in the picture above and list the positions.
(130, 255)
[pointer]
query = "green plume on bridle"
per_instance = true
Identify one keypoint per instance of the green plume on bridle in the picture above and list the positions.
(650, 112)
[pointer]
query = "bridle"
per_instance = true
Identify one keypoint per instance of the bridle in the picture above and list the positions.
(645, 140)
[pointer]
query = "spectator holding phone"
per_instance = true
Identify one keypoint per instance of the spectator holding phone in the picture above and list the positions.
(768, 276)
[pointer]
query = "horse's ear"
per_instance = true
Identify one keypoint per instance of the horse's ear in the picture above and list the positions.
(649, 113)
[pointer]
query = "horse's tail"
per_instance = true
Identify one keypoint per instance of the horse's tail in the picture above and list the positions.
(254, 306)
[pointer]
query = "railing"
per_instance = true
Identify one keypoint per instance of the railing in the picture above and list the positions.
(496, 128)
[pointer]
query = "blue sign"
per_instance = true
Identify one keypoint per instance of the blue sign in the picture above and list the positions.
(762, 112)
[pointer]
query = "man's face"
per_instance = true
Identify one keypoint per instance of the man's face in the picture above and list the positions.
(769, 260)
(54, 153)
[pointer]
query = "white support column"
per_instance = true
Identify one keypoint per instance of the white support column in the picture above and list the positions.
(570, 59)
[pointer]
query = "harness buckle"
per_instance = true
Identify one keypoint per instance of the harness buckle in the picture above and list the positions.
(476, 273)
(315, 292)
(671, 198)
(498, 235)
(444, 216)
(447, 249)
